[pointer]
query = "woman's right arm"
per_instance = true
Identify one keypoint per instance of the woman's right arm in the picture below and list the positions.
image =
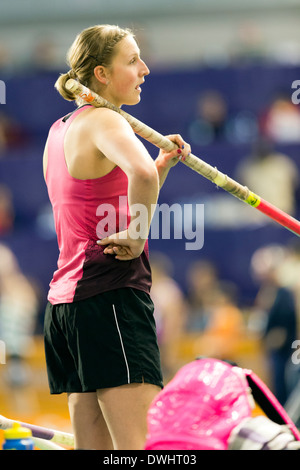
(114, 137)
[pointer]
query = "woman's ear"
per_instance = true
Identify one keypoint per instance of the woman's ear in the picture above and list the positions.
(101, 74)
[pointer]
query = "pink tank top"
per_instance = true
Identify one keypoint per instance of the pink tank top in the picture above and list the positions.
(80, 216)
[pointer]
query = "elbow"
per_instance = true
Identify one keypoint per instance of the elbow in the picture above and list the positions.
(147, 175)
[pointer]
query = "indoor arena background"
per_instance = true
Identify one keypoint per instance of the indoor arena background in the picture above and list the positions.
(221, 76)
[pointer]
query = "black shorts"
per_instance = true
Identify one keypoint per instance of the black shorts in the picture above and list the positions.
(104, 341)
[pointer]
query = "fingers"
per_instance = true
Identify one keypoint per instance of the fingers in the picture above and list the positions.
(104, 241)
(121, 247)
(109, 250)
(120, 252)
(184, 149)
(119, 238)
(124, 257)
(110, 246)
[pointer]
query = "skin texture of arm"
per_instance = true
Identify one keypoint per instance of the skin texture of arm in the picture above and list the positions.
(114, 138)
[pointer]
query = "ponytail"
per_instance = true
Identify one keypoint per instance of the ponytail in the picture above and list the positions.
(60, 85)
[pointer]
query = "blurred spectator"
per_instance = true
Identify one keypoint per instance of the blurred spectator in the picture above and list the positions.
(275, 304)
(289, 277)
(225, 329)
(19, 304)
(209, 123)
(7, 212)
(214, 123)
(248, 44)
(280, 122)
(242, 128)
(272, 175)
(290, 274)
(170, 313)
(6, 62)
(12, 134)
(264, 269)
(202, 284)
(44, 55)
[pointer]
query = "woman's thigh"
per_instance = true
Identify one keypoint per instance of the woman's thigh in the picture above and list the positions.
(89, 427)
(125, 411)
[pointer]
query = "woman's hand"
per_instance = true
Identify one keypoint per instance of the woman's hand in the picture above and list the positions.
(169, 159)
(122, 246)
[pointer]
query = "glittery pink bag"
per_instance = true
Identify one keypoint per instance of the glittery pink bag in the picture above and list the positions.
(204, 402)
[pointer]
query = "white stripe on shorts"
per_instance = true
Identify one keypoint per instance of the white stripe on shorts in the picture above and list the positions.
(121, 341)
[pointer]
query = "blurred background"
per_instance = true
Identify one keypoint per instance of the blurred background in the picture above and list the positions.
(221, 75)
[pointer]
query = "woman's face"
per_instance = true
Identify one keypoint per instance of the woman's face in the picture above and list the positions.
(126, 74)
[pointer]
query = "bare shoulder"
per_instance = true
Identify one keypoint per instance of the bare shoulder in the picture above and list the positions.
(107, 119)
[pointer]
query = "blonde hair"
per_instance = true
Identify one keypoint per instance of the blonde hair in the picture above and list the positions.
(94, 46)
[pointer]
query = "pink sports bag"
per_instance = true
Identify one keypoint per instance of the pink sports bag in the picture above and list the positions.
(205, 401)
